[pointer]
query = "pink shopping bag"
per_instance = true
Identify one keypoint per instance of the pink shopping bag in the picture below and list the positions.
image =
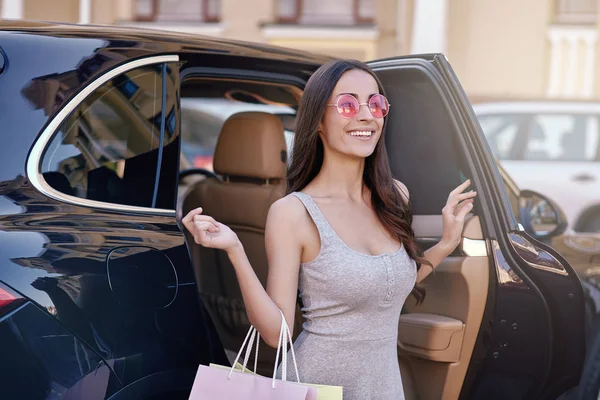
(217, 383)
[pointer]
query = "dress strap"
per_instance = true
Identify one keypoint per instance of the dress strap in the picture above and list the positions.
(325, 230)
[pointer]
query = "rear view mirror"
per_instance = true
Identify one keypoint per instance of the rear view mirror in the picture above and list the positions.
(541, 217)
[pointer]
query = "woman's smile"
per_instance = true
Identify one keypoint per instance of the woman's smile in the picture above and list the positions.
(362, 134)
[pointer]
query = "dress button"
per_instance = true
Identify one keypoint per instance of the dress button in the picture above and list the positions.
(390, 293)
(391, 281)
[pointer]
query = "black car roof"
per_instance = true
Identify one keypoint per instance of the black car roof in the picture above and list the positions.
(172, 41)
(45, 64)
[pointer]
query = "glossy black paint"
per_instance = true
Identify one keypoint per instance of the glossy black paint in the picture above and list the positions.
(41, 359)
(57, 256)
(565, 299)
(133, 272)
(518, 338)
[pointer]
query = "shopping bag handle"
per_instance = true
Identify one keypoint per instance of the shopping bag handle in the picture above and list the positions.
(252, 333)
(285, 337)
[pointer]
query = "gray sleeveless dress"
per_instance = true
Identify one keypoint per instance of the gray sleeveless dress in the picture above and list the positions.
(352, 303)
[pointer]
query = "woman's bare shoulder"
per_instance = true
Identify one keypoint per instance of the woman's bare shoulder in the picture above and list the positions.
(287, 222)
(288, 210)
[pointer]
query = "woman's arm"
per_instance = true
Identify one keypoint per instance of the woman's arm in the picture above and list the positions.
(435, 255)
(283, 252)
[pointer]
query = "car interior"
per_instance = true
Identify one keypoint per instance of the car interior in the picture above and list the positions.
(247, 138)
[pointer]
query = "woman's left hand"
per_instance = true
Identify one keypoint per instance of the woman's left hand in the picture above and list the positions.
(459, 204)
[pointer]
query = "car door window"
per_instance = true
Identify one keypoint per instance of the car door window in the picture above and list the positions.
(419, 129)
(562, 137)
(108, 149)
(502, 134)
(206, 104)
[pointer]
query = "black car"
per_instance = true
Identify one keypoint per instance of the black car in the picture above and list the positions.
(102, 294)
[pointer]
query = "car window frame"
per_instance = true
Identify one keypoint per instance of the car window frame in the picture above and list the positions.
(34, 160)
(191, 72)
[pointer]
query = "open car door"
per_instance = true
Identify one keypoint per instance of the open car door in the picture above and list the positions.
(503, 316)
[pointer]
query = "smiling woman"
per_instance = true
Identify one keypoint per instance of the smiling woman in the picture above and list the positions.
(317, 128)
(353, 281)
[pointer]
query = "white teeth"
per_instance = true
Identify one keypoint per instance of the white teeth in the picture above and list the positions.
(361, 133)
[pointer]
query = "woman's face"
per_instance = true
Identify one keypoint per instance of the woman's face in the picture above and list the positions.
(356, 136)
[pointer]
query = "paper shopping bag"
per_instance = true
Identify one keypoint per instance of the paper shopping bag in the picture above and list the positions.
(217, 384)
(238, 383)
(324, 392)
(237, 367)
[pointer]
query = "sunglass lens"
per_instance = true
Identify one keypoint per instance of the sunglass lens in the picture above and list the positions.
(378, 105)
(347, 106)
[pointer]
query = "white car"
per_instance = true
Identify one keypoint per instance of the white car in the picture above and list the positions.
(550, 147)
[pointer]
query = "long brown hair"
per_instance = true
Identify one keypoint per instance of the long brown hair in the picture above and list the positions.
(391, 208)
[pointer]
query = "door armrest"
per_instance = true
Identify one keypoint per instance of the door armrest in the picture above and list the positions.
(431, 336)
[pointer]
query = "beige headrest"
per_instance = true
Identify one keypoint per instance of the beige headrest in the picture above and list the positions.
(251, 145)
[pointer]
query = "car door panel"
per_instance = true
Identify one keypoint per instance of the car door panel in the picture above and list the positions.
(457, 289)
(561, 294)
(509, 314)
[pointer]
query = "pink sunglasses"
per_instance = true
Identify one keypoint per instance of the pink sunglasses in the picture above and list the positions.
(347, 105)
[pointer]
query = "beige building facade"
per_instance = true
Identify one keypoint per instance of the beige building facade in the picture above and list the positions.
(506, 49)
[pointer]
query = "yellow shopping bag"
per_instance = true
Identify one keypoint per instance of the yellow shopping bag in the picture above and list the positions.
(325, 392)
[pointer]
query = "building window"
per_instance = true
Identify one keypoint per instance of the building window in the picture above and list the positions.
(178, 10)
(576, 11)
(326, 12)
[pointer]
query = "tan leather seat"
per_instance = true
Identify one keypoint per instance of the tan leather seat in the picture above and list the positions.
(251, 158)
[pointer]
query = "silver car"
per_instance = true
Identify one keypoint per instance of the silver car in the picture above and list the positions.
(551, 147)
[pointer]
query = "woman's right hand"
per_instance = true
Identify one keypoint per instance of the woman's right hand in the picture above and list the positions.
(208, 232)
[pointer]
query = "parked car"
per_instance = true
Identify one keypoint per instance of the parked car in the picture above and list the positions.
(103, 294)
(535, 140)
